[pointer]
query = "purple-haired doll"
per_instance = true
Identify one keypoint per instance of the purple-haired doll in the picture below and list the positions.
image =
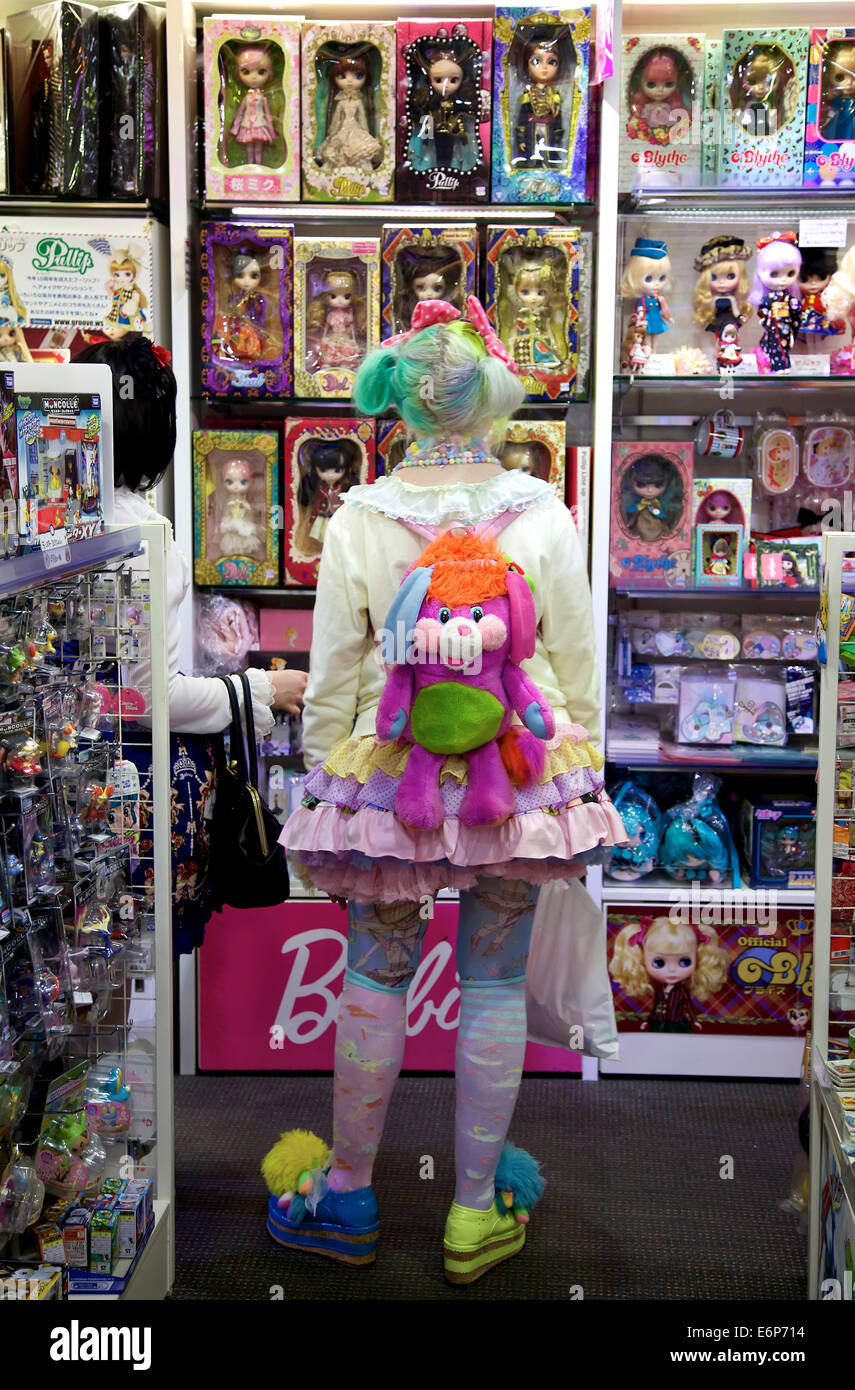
(777, 295)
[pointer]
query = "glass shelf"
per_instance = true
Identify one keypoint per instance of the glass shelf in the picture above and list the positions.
(804, 201)
(27, 571)
(29, 203)
(773, 379)
(742, 591)
(226, 209)
(732, 758)
(656, 888)
(301, 404)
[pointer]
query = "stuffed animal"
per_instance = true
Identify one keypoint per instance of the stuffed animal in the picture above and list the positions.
(462, 621)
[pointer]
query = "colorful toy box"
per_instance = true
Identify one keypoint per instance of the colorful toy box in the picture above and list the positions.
(323, 458)
(235, 507)
(252, 108)
(348, 87)
(540, 105)
(718, 555)
(444, 86)
(133, 107)
(336, 312)
(61, 470)
(436, 262)
(662, 83)
(247, 307)
(778, 840)
(538, 447)
(651, 516)
(763, 92)
(722, 500)
(541, 331)
(830, 125)
(392, 440)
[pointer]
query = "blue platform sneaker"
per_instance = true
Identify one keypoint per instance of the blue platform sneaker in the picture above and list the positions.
(303, 1214)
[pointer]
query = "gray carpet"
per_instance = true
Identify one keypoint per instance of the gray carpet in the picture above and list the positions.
(636, 1207)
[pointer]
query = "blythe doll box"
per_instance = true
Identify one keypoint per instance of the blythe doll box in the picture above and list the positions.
(247, 278)
(336, 311)
(444, 110)
(323, 458)
(651, 517)
(830, 123)
(764, 77)
(252, 108)
(433, 262)
(662, 82)
(538, 447)
(348, 90)
(540, 105)
(533, 304)
(722, 501)
(235, 505)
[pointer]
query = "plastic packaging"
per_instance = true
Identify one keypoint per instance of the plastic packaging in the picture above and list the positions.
(696, 839)
(643, 821)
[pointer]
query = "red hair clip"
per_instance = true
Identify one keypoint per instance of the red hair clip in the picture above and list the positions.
(163, 355)
(777, 236)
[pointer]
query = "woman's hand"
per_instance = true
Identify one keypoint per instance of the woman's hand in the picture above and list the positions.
(289, 688)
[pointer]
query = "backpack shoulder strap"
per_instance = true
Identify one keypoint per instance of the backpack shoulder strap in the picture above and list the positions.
(491, 526)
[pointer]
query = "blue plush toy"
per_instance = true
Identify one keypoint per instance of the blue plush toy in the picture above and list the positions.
(643, 821)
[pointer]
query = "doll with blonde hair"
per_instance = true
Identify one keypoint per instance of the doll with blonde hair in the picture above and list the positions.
(722, 285)
(129, 301)
(336, 320)
(645, 279)
(838, 299)
(11, 308)
(670, 963)
(537, 338)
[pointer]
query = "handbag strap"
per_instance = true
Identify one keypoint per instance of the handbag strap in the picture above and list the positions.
(236, 743)
(251, 745)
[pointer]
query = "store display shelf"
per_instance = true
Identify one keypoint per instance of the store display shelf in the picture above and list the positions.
(142, 1278)
(30, 203)
(657, 888)
(704, 201)
(22, 572)
(771, 381)
(393, 212)
(241, 405)
(716, 594)
(753, 759)
(271, 598)
(834, 1119)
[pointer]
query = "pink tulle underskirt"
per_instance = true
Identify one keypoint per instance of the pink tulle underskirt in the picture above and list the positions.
(390, 881)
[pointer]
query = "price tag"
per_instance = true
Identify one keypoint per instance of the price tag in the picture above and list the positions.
(822, 231)
(55, 556)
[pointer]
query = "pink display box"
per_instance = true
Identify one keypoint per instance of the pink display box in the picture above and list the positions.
(285, 629)
(457, 171)
(651, 533)
(830, 124)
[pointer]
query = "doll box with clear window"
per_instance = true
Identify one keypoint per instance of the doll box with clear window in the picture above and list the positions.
(662, 83)
(349, 88)
(650, 543)
(533, 303)
(540, 105)
(235, 507)
(778, 840)
(425, 262)
(61, 472)
(763, 90)
(710, 118)
(336, 312)
(324, 457)
(252, 108)
(830, 121)
(247, 278)
(392, 440)
(538, 447)
(133, 107)
(444, 71)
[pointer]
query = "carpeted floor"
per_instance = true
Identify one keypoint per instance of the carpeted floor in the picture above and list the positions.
(636, 1207)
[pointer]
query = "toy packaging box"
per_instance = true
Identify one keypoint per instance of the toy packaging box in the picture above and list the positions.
(133, 103)
(538, 447)
(540, 105)
(431, 262)
(444, 88)
(348, 87)
(235, 507)
(651, 515)
(336, 312)
(778, 840)
(247, 281)
(718, 555)
(788, 563)
(830, 125)
(533, 303)
(762, 102)
(323, 458)
(252, 108)
(8, 470)
(662, 84)
(722, 500)
(61, 470)
(710, 116)
(392, 440)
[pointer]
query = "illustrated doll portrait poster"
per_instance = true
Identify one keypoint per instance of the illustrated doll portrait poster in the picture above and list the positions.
(323, 459)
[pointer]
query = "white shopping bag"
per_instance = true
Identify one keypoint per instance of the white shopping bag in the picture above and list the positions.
(568, 990)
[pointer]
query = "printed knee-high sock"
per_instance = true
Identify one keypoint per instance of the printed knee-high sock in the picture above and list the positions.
(488, 1065)
(369, 1049)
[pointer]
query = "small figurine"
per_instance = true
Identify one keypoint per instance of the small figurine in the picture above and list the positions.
(426, 271)
(838, 300)
(646, 277)
(542, 62)
(722, 285)
(108, 1103)
(537, 338)
(445, 104)
(758, 90)
(336, 319)
(838, 91)
(350, 142)
(24, 761)
(656, 103)
(818, 266)
(635, 349)
(728, 354)
(239, 534)
(239, 330)
(777, 297)
(720, 562)
(328, 467)
(252, 126)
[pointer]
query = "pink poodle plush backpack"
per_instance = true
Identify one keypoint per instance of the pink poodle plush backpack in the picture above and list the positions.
(461, 623)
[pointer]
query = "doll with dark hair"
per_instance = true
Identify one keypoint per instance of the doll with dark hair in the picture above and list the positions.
(543, 59)
(349, 141)
(240, 328)
(426, 272)
(818, 266)
(328, 467)
(644, 503)
(444, 102)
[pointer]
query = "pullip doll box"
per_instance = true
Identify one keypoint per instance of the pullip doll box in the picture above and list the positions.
(235, 507)
(348, 85)
(778, 840)
(252, 108)
(443, 129)
(538, 447)
(336, 312)
(651, 515)
(716, 500)
(764, 75)
(830, 121)
(392, 440)
(247, 280)
(425, 262)
(323, 459)
(533, 304)
(540, 105)
(662, 84)
(133, 101)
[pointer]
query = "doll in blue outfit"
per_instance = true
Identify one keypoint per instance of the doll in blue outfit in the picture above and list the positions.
(444, 104)
(646, 278)
(838, 80)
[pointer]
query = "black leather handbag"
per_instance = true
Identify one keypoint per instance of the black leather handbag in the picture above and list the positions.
(248, 866)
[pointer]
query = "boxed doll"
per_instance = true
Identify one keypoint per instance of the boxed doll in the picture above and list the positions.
(444, 110)
(662, 84)
(247, 278)
(537, 447)
(718, 555)
(540, 107)
(133, 102)
(52, 70)
(830, 121)
(762, 103)
(425, 263)
(392, 440)
(252, 108)
(235, 507)
(323, 458)
(533, 303)
(651, 525)
(711, 114)
(336, 311)
(788, 563)
(778, 838)
(716, 500)
(348, 90)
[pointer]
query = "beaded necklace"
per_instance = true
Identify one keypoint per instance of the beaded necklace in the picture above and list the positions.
(429, 453)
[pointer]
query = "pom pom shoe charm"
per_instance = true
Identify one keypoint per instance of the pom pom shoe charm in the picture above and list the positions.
(304, 1214)
(477, 1241)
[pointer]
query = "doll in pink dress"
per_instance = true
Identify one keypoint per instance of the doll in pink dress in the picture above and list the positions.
(336, 321)
(253, 124)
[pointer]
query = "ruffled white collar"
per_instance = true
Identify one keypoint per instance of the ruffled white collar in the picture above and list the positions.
(440, 504)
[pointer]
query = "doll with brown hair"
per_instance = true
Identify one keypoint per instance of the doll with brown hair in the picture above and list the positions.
(722, 283)
(543, 61)
(758, 89)
(635, 349)
(444, 102)
(336, 321)
(349, 142)
(425, 272)
(669, 964)
(13, 344)
(328, 467)
(240, 327)
(253, 126)
(838, 92)
(537, 338)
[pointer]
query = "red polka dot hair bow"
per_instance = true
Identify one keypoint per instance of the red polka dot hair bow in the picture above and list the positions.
(430, 311)
(777, 236)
